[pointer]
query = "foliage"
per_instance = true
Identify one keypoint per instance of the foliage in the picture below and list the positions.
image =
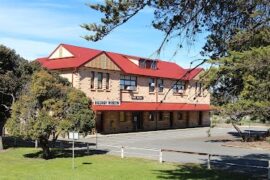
(186, 18)
(14, 73)
(49, 107)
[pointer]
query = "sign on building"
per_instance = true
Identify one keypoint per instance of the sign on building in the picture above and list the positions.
(111, 103)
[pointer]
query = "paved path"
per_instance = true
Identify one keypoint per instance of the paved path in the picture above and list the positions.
(193, 139)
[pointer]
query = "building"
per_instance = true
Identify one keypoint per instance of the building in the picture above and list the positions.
(131, 93)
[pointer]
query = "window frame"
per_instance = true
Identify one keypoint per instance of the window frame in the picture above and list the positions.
(151, 88)
(100, 80)
(128, 80)
(159, 83)
(92, 79)
(107, 81)
(180, 85)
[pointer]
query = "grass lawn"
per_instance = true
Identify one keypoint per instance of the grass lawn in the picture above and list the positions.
(14, 165)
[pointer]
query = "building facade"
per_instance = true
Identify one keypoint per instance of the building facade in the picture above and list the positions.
(130, 93)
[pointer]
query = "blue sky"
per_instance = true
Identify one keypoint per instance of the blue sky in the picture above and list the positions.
(34, 28)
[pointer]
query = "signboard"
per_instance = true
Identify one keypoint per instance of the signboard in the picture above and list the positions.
(109, 103)
(76, 135)
(137, 97)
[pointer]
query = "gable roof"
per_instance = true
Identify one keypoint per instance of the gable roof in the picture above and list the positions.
(83, 55)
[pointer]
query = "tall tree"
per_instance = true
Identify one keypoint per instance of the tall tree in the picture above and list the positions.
(14, 73)
(185, 18)
(48, 107)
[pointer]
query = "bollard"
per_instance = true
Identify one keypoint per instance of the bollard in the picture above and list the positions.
(268, 169)
(122, 152)
(36, 143)
(208, 161)
(160, 156)
(87, 148)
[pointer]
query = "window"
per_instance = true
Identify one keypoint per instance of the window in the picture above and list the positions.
(148, 64)
(180, 116)
(151, 84)
(92, 85)
(100, 78)
(198, 88)
(179, 87)
(107, 81)
(160, 115)
(128, 82)
(160, 85)
(122, 116)
(151, 116)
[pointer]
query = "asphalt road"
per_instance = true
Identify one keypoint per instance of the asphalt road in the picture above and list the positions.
(148, 144)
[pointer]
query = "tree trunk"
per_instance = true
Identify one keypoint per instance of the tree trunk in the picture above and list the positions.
(44, 143)
(239, 131)
(1, 139)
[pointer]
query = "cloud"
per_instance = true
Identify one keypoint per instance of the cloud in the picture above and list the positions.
(29, 49)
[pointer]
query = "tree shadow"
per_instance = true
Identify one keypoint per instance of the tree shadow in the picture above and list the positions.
(63, 153)
(220, 140)
(189, 171)
(253, 165)
(251, 133)
(14, 142)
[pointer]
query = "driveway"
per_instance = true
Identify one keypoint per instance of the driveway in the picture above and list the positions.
(148, 144)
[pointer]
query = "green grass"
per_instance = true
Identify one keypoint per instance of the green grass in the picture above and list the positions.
(14, 165)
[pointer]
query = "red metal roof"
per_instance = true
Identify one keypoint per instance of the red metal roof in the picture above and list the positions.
(83, 55)
(151, 106)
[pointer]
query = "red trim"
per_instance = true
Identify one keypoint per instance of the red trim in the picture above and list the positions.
(149, 106)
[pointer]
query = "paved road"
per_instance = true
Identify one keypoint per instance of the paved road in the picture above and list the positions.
(193, 139)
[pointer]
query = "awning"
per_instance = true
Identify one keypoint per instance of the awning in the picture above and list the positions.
(149, 106)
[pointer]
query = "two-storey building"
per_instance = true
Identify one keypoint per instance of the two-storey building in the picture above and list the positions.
(131, 93)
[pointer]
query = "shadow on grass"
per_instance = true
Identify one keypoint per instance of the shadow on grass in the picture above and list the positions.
(63, 153)
(189, 171)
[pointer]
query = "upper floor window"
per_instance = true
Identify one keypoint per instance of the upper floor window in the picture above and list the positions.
(128, 82)
(160, 85)
(107, 81)
(148, 64)
(92, 85)
(179, 87)
(151, 84)
(100, 79)
(199, 88)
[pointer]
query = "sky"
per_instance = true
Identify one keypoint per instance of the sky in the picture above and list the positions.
(34, 28)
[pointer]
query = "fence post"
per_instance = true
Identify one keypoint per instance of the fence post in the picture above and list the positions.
(268, 169)
(87, 148)
(122, 152)
(208, 161)
(160, 156)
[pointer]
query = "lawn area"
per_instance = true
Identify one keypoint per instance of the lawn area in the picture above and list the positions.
(14, 165)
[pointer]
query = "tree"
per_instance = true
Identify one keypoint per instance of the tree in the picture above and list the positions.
(186, 18)
(14, 73)
(48, 107)
(240, 81)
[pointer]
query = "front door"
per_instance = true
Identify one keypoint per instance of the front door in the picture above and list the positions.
(171, 119)
(137, 121)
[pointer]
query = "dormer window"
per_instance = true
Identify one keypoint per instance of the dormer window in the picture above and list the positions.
(147, 64)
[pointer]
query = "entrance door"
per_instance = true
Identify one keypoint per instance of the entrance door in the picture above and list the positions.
(137, 121)
(99, 122)
(171, 119)
(200, 118)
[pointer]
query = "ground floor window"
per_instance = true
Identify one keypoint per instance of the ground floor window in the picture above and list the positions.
(151, 116)
(122, 116)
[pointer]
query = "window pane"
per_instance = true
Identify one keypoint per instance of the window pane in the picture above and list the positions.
(133, 78)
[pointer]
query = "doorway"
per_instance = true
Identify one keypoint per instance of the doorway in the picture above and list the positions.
(137, 121)
(200, 118)
(99, 122)
(171, 119)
